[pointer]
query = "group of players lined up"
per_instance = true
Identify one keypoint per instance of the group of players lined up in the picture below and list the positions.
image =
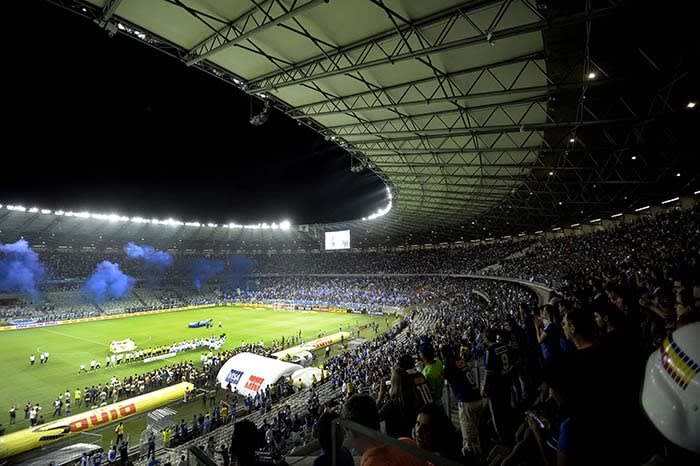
(138, 384)
(112, 360)
(43, 358)
(112, 391)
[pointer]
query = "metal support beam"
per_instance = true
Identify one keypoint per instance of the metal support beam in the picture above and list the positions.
(254, 21)
(378, 104)
(378, 152)
(108, 10)
(432, 116)
(344, 61)
(496, 129)
(374, 94)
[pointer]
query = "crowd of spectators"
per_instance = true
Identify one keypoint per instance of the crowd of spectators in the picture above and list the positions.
(553, 379)
(347, 292)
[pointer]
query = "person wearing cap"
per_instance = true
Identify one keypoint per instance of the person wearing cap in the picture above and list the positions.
(671, 395)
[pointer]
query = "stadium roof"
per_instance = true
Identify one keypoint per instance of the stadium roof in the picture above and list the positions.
(484, 117)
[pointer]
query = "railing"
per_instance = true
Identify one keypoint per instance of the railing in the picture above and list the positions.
(197, 457)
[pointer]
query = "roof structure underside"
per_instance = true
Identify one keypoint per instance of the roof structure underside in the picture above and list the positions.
(473, 112)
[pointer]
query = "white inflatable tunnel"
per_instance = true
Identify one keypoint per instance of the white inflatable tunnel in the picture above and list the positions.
(303, 358)
(307, 376)
(251, 373)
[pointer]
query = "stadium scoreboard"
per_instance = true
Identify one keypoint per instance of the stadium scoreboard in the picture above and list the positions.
(337, 240)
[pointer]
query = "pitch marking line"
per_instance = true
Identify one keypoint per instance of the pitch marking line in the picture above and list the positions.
(73, 336)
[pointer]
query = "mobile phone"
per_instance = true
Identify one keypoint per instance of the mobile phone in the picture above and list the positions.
(388, 383)
(536, 418)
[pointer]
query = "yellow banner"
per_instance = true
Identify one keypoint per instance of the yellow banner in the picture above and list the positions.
(51, 432)
(312, 345)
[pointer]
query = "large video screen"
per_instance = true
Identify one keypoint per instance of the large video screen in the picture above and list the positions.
(337, 240)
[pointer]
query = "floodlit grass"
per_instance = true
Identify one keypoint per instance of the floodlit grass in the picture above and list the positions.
(71, 345)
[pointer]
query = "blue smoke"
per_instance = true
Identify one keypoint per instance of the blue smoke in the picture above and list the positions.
(107, 282)
(204, 270)
(240, 266)
(20, 269)
(148, 256)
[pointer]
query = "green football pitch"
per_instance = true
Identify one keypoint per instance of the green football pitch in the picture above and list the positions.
(71, 345)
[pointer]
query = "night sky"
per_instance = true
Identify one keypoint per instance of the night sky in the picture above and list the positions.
(112, 125)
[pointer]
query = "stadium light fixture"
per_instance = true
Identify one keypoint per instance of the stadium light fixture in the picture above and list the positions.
(285, 225)
(521, 234)
(110, 217)
(592, 75)
(17, 208)
(381, 212)
(696, 192)
(572, 140)
(33, 210)
(641, 208)
(173, 222)
(668, 201)
(43, 211)
(506, 237)
(59, 213)
(539, 232)
(616, 215)
(556, 228)
(691, 105)
(634, 157)
(595, 220)
(574, 225)
(678, 174)
(551, 173)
